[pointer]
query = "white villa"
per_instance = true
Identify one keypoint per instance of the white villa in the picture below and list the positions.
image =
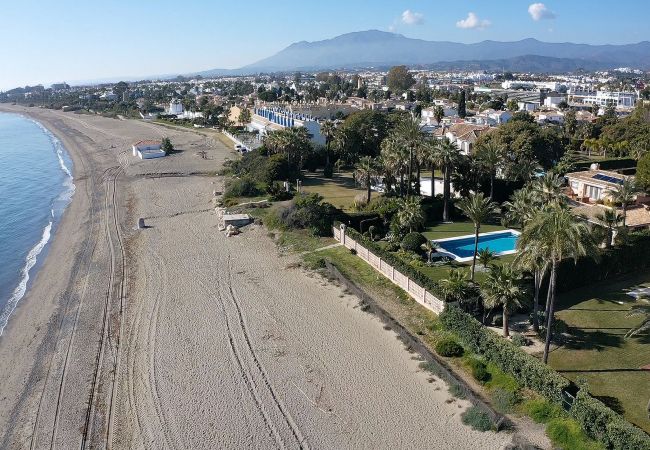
(591, 186)
(464, 135)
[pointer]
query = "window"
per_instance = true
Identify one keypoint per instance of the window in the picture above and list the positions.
(594, 192)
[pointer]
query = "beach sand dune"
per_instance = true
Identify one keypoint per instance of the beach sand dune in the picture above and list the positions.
(182, 338)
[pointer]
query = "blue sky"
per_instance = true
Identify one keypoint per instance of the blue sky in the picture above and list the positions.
(67, 40)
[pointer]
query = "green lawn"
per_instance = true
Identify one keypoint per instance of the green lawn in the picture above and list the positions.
(597, 350)
(339, 190)
(448, 230)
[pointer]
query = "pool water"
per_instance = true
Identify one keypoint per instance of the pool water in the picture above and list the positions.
(463, 247)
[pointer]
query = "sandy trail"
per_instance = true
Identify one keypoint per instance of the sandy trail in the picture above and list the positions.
(206, 342)
(230, 348)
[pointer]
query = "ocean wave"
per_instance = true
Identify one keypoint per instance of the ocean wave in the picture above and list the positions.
(20, 290)
(60, 203)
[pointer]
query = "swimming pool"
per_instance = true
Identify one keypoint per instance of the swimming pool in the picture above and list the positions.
(461, 248)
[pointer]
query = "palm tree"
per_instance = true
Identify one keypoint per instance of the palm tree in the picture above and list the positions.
(533, 259)
(409, 214)
(591, 144)
(430, 247)
(366, 171)
(502, 287)
(558, 234)
(485, 257)
(549, 188)
(489, 157)
(644, 326)
(456, 287)
(328, 130)
(523, 204)
(447, 157)
(412, 137)
(438, 113)
(479, 210)
(394, 157)
(430, 156)
(624, 193)
(610, 220)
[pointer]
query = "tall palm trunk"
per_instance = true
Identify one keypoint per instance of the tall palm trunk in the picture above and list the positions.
(401, 183)
(417, 178)
(433, 180)
(445, 194)
(368, 188)
(538, 282)
(624, 213)
(551, 311)
(506, 331)
(476, 230)
(492, 186)
(410, 177)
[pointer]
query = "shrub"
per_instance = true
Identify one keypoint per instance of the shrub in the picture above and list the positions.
(605, 425)
(504, 401)
(328, 171)
(567, 434)
(479, 370)
(526, 369)
(543, 411)
(449, 347)
(478, 419)
(277, 192)
(520, 340)
(412, 242)
(309, 212)
(241, 187)
(457, 391)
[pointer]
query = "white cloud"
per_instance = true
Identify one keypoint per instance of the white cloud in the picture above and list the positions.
(472, 21)
(539, 11)
(412, 18)
(391, 28)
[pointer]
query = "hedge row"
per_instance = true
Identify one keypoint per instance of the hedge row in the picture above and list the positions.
(607, 164)
(605, 425)
(405, 268)
(613, 262)
(598, 421)
(527, 370)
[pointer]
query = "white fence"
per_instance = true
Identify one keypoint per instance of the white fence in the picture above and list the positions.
(421, 295)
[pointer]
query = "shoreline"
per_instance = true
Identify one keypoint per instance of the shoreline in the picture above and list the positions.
(37, 253)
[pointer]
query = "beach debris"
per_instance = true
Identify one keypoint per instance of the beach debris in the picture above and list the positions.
(232, 230)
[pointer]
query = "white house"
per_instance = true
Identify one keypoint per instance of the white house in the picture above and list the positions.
(500, 117)
(175, 107)
(464, 135)
(591, 186)
(429, 117)
(528, 106)
(148, 149)
(554, 101)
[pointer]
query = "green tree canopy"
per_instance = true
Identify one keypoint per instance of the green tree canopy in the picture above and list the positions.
(399, 79)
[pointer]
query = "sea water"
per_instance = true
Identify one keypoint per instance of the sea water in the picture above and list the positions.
(36, 185)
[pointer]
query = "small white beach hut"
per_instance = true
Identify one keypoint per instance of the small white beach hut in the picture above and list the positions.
(148, 149)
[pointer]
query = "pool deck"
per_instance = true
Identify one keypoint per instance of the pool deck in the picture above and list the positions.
(455, 257)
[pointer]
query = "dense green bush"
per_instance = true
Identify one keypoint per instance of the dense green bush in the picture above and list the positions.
(605, 425)
(597, 420)
(526, 369)
(277, 192)
(520, 340)
(412, 242)
(607, 164)
(309, 212)
(643, 172)
(479, 370)
(241, 187)
(478, 419)
(449, 347)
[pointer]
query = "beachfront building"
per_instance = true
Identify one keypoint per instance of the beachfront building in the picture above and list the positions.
(175, 108)
(148, 149)
(267, 119)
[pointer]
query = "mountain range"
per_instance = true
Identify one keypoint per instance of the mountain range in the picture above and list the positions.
(381, 49)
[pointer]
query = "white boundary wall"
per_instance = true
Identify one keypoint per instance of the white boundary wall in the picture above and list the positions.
(421, 295)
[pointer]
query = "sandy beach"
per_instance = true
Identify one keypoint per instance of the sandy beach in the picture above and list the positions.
(176, 337)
